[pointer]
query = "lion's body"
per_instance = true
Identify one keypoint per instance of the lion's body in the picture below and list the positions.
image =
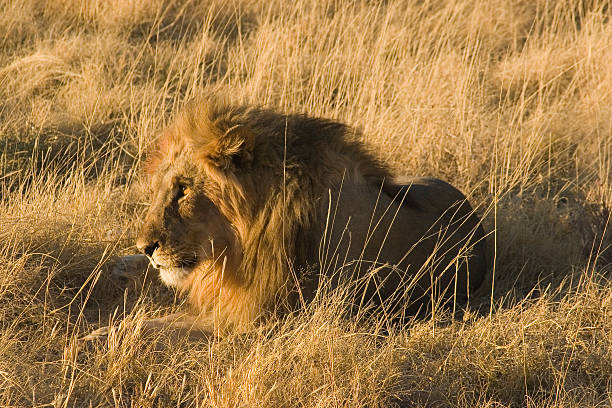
(254, 211)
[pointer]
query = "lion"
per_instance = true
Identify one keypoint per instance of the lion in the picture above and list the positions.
(253, 212)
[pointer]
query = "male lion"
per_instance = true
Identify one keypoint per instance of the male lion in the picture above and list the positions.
(254, 211)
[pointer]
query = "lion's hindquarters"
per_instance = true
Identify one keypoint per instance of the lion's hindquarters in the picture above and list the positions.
(460, 230)
(395, 245)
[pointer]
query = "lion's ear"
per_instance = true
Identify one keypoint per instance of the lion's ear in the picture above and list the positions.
(232, 151)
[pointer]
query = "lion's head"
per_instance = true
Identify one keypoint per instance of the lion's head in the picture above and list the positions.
(184, 229)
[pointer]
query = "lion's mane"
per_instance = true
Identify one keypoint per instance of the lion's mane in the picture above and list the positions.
(268, 174)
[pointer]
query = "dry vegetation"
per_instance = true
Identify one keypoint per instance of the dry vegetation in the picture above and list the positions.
(511, 101)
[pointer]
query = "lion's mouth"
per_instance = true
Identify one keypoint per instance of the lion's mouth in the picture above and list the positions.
(173, 274)
(184, 264)
(153, 263)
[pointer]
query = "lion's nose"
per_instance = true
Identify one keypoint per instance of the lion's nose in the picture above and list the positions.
(149, 249)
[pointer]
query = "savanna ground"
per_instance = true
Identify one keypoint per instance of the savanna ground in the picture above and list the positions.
(511, 101)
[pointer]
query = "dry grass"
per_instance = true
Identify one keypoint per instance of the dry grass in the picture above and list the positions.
(508, 100)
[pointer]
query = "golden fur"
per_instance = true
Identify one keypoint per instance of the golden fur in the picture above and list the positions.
(254, 211)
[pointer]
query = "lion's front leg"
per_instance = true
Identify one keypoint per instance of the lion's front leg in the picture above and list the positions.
(176, 325)
(180, 326)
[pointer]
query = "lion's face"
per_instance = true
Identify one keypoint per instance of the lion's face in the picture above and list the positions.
(183, 229)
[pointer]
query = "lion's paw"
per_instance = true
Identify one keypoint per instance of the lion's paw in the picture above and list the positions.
(130, 266)
(98, 334)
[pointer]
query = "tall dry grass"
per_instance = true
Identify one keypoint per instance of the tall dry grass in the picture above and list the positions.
(511, 101)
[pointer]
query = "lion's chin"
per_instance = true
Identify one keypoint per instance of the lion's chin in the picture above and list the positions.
(173, 276)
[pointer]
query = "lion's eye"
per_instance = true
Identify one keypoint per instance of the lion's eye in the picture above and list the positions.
(181, 191)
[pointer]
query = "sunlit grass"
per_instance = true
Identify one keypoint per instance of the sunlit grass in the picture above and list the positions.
(510, 101)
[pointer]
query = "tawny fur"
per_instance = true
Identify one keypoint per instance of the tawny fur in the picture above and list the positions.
(249, 194)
